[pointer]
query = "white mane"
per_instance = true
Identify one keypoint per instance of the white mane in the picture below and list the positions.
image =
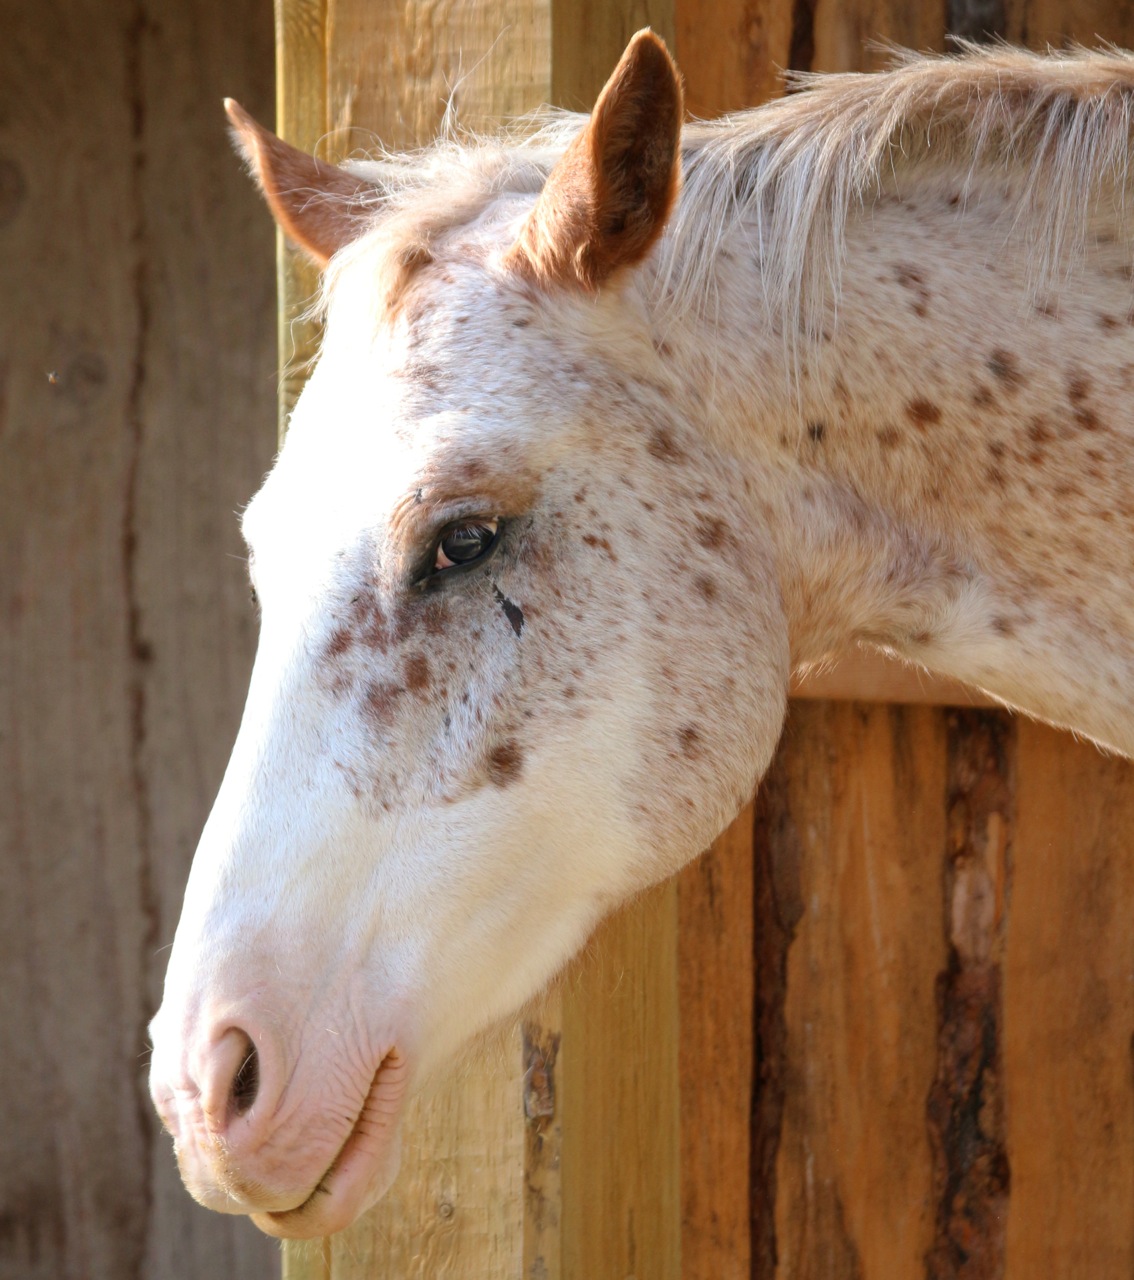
(795, 170)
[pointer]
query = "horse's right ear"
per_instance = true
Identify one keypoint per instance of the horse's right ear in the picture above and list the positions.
(317, 205)
(606, 201)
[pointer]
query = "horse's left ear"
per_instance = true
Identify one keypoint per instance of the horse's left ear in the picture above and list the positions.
(607, 200)
(317, 205)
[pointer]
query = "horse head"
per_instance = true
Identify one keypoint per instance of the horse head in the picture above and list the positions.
(522, 652)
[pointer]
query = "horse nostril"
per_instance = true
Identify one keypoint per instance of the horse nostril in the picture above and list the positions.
(246, 1082)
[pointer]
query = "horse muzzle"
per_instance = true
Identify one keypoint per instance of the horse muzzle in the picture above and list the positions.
(253, 1136)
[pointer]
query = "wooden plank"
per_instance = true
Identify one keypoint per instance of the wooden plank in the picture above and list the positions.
(543, 1141)
(846, 36)
(456, 1208)
(392, 68)
(385, 71)
(732, 54)
(135, 272)
(715, 951)
(857, 831)
(621, 1125)
(1060, 23)
(588, 37)
(301, 119)
(1069, 1012)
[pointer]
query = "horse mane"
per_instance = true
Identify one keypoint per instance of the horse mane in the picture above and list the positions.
(795, 170)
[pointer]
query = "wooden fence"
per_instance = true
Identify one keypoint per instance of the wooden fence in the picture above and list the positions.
(812, 1055)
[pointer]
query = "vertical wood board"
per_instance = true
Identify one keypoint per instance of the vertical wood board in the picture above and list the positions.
(1069, 1013)
(621, 1187)
(862, 790)
(136, 409)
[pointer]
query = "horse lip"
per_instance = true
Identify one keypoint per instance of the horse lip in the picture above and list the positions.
(330, 1207)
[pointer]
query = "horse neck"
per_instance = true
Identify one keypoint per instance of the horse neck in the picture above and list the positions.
(946, 465)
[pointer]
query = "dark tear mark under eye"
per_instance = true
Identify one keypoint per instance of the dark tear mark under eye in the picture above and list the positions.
(512, 612)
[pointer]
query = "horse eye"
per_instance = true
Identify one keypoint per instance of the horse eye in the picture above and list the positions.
(464, 543)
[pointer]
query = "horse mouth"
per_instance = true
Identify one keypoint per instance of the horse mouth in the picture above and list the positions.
(363, 1169)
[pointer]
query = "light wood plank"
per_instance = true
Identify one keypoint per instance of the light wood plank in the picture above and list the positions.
(621, 1123)
(393, 68)
(364, 72)
(301, 119)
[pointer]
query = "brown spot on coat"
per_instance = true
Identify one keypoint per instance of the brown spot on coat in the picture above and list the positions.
(417, 674)
(373, 630)
(1005, 368)
(505, 763)
(923, 413)
(663, 446)
(910, 277)
(592, 540)
(342, 639)
(690, 740)
(712, 532)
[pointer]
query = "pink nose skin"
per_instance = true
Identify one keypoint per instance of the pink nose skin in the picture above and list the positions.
(228, 1076)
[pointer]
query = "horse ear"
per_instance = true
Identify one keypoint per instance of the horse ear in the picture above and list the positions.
(607, 200)
(317, 205)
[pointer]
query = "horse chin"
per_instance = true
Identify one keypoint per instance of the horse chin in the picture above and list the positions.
(363, 1170)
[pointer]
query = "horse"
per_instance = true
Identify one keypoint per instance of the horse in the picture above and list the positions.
(618, 422)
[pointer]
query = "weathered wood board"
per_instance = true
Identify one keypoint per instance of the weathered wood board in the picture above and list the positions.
(137, 386)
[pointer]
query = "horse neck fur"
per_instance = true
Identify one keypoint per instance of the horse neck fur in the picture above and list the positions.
(943, 457)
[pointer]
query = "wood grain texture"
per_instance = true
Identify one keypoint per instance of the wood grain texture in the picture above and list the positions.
(715, 989)
(302, 120)
(358, 73)
(860, 809)
(136, 413)
(844, 35)
(1039, 23)
(543, 1141)
(1069, 1013)
(392, 68)
(965, 1108)
(588, 37)
(732, 54)
(621, 1110)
